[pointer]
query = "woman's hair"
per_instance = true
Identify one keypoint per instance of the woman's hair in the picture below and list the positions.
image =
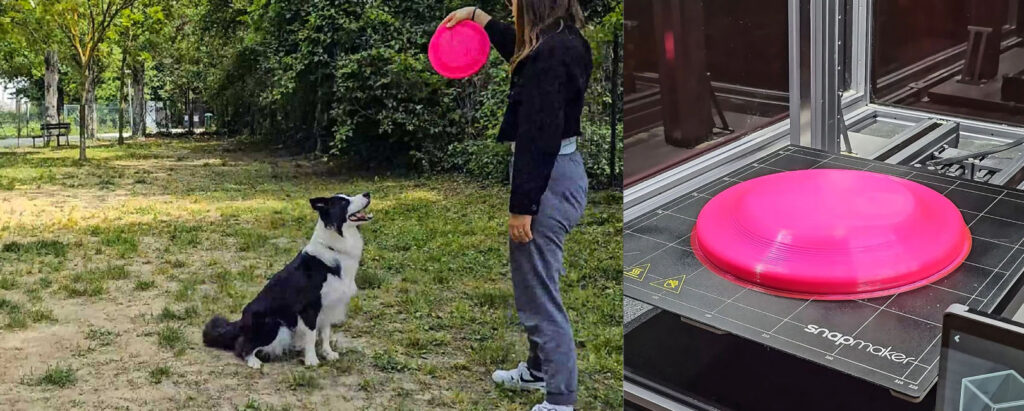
(534, 15)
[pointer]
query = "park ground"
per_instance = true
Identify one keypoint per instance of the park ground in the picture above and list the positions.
(110, 268)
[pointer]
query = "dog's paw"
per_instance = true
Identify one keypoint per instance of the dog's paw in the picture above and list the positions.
(254, 363)
(312, 361)
(330, 356)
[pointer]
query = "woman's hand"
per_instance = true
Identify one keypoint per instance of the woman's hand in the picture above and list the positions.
(519, 227)
(466, 13)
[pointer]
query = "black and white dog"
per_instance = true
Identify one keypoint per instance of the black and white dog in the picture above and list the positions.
(303, 300)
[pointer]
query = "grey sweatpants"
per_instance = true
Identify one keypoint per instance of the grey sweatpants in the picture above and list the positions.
(536, 267)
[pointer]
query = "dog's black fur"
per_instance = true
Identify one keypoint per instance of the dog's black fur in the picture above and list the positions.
(291, 295)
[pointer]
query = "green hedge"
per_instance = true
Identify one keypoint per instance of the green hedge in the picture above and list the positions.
(352, 79)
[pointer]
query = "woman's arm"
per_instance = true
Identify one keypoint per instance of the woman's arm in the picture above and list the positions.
(541, 119)
(467, 13)
(502, 35)
(503, 38)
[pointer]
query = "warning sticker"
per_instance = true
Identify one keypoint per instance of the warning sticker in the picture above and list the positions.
(637, 272)
(674, 284)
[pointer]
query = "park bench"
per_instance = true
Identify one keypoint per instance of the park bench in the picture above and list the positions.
(54, 130)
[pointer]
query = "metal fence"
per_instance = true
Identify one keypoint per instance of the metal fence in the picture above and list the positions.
(29, 119)
(106, 118)
(34, 113)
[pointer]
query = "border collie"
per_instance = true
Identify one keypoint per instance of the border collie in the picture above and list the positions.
(310, 294)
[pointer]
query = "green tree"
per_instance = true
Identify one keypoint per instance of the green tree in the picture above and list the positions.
(137, 34)
(29, 42)
(84, 24)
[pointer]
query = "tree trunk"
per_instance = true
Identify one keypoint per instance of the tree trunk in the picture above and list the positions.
(252, 119)
(17, 115)
(90, 111)
(84, 116)
(120, 103)
(129, 104)
(316, 115)
(190, 110)
(60, 104)
(82, 125)
(91, 108)
(50, 85)
(138, 99)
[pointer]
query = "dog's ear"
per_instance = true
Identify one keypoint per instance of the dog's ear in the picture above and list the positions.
(319, 203)
(322, 205)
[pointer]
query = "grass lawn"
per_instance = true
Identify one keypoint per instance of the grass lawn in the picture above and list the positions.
(109, 269)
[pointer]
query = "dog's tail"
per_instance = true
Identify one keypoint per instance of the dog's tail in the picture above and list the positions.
(221, 333)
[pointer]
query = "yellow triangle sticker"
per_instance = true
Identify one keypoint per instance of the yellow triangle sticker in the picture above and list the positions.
(674, 284)
(636, 272)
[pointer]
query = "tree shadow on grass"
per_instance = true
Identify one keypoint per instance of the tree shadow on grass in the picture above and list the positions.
(23, 160)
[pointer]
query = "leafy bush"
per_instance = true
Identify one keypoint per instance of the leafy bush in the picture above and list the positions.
(482, 159)
(352, 79)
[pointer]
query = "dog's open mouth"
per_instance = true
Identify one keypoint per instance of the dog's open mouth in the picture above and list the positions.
(360, 216)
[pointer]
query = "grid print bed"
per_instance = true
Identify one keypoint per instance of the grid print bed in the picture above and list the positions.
(906, 323)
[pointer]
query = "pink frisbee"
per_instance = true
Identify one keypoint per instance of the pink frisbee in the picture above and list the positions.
(460, 51)
(830, 234)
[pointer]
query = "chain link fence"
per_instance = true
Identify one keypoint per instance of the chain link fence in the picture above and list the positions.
(29, 119)
(106, 118)
(33, 114)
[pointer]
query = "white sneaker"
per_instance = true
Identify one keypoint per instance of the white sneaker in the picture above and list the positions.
(551, 407)
(520, 378)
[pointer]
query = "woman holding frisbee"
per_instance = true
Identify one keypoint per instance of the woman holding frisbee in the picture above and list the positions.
(550, 62)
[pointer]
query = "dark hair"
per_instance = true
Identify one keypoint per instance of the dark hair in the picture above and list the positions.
(533, 15)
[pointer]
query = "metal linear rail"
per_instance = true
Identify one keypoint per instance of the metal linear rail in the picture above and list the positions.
(987, 152)
(1012, 175)
(814, 97)
(905, 138)
(947, 134)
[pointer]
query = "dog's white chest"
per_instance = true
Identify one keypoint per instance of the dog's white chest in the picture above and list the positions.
(335, 296)
(336, 250)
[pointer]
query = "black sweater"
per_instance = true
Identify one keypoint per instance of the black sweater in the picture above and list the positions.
(545, 102)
